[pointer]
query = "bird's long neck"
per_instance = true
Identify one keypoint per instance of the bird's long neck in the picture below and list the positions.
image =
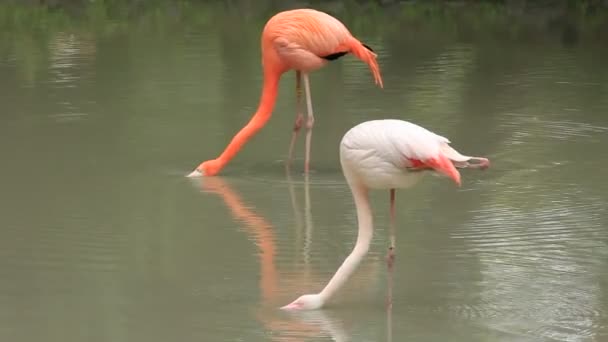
(259, 119)
(364, 238)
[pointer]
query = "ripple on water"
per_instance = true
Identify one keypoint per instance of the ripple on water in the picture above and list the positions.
(540, 249)
(69, 54)
(307, 324)
(475, 312)
(56, 250)
(276, 174)
(549, 316)
(525, 126)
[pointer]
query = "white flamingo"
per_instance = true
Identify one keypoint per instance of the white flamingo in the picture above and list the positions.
(385, 154)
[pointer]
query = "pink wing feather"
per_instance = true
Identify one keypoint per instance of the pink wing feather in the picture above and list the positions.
(303, 37)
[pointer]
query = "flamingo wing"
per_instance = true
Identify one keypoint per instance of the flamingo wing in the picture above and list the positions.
(306, 39)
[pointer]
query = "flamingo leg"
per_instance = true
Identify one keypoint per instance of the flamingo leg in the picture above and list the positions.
(391, 249)
(309, 123)
(299, 117)
(307, 219)
(389, 307)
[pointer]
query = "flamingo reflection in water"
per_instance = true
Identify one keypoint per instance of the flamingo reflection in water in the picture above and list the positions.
(297, 325)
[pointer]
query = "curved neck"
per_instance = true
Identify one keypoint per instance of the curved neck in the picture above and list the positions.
(364, 238)
(260, 118)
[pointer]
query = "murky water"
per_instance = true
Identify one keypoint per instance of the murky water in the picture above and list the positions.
(103, 239)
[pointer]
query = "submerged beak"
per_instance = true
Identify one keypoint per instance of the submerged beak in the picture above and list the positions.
(444, 165)
(195, 173)
(292, 306)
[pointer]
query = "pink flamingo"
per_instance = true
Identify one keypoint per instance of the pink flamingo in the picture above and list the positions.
(303, 40)
(385, 154)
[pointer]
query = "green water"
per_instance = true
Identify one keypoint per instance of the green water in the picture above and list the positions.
(104, 239)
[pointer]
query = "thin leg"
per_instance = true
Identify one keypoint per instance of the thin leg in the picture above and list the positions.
(299, 117)
(307, 219)
(391, 249)
(295, 206)
(389, 308)
(309, 123)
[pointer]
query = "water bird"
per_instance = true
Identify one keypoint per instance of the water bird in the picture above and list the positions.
(303, 40)
(385, 154)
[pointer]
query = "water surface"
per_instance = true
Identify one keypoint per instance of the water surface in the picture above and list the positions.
(103, 239)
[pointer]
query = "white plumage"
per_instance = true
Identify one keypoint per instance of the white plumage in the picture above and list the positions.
(378, 153)
(385, 154)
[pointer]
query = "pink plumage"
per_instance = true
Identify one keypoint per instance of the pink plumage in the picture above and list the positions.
(385, 154)
(302, 40)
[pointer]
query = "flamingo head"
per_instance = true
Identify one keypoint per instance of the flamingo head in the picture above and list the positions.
(207, 168)
(305, 302)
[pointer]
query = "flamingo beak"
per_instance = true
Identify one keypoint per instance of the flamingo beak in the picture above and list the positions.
(195, 173)
(444, 165)
(292, 306)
